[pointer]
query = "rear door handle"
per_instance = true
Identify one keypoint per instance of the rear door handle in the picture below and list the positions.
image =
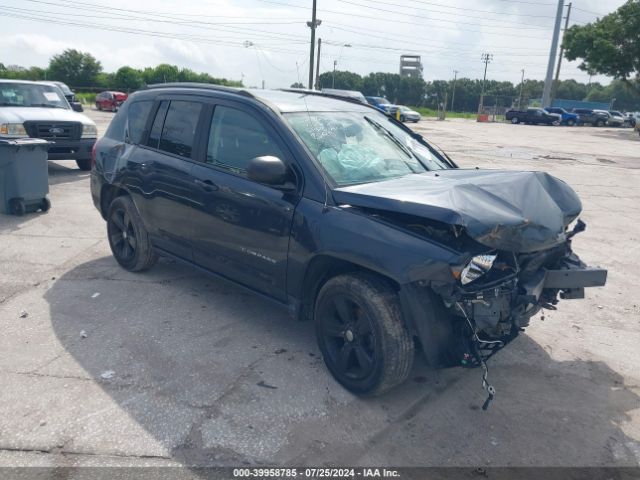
(206, 185)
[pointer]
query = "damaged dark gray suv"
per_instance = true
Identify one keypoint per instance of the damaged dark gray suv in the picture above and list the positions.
(345, 217)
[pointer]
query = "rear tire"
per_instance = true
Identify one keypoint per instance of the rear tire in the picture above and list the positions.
(98, 107)
(128, 239)
(515, 120)
(361, 333)
(600, 123)
(84, 164)
(571, 122)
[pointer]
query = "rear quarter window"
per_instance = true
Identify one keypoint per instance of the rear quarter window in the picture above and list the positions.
(137, 115)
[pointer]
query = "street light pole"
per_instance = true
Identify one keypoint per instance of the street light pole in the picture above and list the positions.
(521, 85)
(453, 95)
(335, 62)
(318, 65)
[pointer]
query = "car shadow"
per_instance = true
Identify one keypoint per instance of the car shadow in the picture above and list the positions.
(65, 172)
(217, 376)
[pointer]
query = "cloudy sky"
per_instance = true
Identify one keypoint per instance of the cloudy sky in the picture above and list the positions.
(268, 40)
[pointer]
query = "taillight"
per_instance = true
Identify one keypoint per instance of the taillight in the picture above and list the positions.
(93, 156)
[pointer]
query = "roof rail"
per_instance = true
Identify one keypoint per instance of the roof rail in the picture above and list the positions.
(205, 86)
(325, 94)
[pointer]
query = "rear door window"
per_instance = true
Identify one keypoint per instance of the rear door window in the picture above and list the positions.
(179, 130)
(158, 122)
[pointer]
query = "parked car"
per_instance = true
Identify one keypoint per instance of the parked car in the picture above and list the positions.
(40, 110)
(344, 217)
(380, 103)
(110, 101)
(532, 116)
(68, 94)
(352, 94)
(566, 118)
(616, 119)
(591, 117)
(631, 118)
(408, 115)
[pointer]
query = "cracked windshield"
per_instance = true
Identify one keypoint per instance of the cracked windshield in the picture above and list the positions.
(360, 148)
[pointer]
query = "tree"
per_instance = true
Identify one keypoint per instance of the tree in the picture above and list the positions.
(343, 80)
(610, 45)
(74, 68)
(297, 85)
(127, 78)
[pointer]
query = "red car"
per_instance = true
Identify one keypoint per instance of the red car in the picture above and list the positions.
(110, 100)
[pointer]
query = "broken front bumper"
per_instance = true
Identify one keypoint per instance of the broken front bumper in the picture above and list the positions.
(443, 317)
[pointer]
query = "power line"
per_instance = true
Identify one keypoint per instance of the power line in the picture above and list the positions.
(369, 2)
(359, 15)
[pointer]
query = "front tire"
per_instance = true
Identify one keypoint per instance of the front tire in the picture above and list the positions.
(600, 123)
(515, 120)
(84, 164)
(571, 122)
(361, 333)
(128, 238)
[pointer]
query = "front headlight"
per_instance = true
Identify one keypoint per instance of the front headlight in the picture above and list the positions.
(13, 130)
(477, 267)
(89, 131)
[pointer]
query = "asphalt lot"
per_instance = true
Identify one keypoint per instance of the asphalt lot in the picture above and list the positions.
(180, 369)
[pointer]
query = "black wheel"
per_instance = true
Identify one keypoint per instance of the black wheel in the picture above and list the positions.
(515, 120)
(571, 122)
(114, 108)
(361, 334)
(17, 207)
(98, 107)
(128, 238)
(402, 118)
(45, 205)
(84, 164)
(600, 123)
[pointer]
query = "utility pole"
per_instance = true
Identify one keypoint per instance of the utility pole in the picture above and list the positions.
(556, 83)
(548, 81)
(521, 86)
(318, 65)
(486, 58)
(313, 24)
(453, 95)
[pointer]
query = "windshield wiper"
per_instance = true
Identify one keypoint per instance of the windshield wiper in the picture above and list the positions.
(46, 105)
(390, 135)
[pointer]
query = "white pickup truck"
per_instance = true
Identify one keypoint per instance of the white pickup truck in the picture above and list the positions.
(39, 110)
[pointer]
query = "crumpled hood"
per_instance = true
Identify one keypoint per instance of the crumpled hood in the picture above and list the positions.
(506, 210)
(38, 114)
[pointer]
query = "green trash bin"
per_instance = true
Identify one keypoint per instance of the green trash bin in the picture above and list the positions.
(24, 176)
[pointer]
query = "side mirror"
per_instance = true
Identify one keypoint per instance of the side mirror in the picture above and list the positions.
(270, 171)
(77, 107)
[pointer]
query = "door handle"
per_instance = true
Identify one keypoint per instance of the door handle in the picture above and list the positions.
(206, 185)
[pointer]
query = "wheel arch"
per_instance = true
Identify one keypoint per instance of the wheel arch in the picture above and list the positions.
(321, 269)
(107, 194)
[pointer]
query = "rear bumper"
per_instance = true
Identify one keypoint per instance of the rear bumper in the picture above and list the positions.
(71, 149)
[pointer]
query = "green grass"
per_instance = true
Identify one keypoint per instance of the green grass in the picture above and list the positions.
(428, 112)
(86, 98)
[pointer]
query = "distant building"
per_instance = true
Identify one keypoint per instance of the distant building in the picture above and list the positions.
(410, 66)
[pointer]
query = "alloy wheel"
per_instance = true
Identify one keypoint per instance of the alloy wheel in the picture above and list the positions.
(122, 235)
(349, 337)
